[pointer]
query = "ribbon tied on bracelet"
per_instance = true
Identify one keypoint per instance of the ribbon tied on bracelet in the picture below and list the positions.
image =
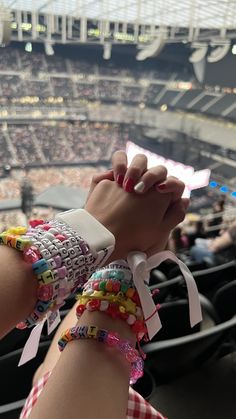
(141, 266)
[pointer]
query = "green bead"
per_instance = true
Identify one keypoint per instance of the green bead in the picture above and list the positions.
(120, 275)
(124, 287)
(102, 286)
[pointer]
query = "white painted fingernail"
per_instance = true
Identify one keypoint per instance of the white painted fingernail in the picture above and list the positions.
(139, 187)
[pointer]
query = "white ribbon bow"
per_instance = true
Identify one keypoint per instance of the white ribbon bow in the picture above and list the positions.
(140, 267)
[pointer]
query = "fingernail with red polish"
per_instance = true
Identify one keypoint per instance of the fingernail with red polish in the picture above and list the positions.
(129, 185)
(120, 179)
(161, 187)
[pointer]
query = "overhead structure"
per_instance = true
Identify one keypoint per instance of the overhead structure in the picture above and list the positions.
(129, 21)
(5, 24)
(219, 52)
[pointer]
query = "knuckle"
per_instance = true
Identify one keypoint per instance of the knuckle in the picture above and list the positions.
(162, 169)
(135, 171)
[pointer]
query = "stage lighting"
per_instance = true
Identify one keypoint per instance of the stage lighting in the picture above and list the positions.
(28, 47)
(219, 52)
(107, 51)
(48, 48)
(199, 53)
(153, 49)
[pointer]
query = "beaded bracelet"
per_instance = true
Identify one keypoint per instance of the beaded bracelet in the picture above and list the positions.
(113, 310)
(111, 339)
(58, 255)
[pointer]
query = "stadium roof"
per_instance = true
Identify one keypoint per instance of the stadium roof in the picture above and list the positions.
(187, 13)
(188, 20)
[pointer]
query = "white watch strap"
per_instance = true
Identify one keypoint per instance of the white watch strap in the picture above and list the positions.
(98, 237)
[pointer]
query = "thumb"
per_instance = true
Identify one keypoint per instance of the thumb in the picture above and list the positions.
(108, 175)
(175, 214)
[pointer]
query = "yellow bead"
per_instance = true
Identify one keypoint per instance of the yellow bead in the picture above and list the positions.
(121, 309)
(83, 300)
(46, 277)
(20, 230)
(98, 294)
(130, 306)
(10, 230)
(92, 331)
(22, 243)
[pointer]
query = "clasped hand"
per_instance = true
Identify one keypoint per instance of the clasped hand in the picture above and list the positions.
(139, 220)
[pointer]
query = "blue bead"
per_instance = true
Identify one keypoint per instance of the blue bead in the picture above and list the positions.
(40, 266)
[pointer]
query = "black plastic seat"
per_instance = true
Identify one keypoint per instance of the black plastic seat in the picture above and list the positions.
(224, 301)
(209, 280)
(168, 359)
(18, 380)
(193, 266)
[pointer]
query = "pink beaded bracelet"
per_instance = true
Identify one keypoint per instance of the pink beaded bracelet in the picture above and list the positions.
(111, 339)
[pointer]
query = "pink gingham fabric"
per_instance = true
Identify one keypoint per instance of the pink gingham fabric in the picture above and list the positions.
(138, 408)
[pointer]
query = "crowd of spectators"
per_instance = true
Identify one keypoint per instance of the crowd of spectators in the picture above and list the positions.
(210, 238)
(36, 74)
(43, 178)
(61, 142)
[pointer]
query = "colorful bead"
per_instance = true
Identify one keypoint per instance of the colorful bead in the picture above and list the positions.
(92, 331)
(31, 254)
(46, 227)
(109, 286)
(21, 326)
(45, 292)
(116, 286)
(112, 310)
(46, 277)
(93, 305)
(35, 223)
(104, 305)
(124, 288)
(60, 237)
(21, 244)
(80, 309)
(132, 355)
(40, 266)
(112, 339)
(96, 285)
(138, 326)
(131, 319)
(130, 292)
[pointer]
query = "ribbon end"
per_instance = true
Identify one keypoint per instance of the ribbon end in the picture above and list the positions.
(31, 347)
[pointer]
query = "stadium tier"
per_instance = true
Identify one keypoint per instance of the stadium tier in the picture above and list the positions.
(36, 74)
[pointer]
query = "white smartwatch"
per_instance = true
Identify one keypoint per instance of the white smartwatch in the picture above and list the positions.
(100, 240)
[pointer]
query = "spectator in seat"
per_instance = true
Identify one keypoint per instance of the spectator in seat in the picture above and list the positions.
(219, 250)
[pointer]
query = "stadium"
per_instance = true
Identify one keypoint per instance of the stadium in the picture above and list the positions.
(81, 79)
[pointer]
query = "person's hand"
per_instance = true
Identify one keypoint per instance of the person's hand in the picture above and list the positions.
(138, 222)
(135, 178)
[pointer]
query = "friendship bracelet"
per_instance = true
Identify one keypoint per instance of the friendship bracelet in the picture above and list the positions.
(61, 261)
(109, 338)
(112, 286)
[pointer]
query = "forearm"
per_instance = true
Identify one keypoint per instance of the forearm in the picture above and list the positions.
(86, 368)
(221, 242)
(18, 289)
